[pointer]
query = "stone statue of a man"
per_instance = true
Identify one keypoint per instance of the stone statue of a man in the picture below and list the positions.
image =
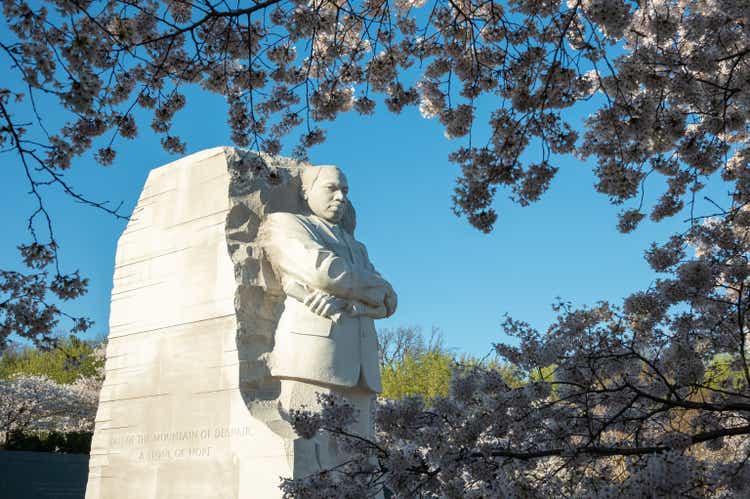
(325, 340)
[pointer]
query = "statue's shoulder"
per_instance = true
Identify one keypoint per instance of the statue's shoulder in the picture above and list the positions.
(286, 218)
(287, 222)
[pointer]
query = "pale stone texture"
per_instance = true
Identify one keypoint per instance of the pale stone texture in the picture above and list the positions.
(325, 339)
(201, 359)
(182, 365)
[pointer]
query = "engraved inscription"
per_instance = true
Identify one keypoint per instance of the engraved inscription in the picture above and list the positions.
(155, 455)
(177, 444)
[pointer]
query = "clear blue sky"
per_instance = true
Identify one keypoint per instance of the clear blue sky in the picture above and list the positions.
(446, 273)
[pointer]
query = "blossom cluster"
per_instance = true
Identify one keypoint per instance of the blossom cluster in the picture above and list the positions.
(37, 403)
(25, 306)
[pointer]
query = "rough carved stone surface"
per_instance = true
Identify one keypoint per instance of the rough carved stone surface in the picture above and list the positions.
(190, 407)
(182, 408)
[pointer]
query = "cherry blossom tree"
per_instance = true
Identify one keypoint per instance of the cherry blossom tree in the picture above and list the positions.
(35, 402)
(32, 403)
(634, 401)
(648, 399)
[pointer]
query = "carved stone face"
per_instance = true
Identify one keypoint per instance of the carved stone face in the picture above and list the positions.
(327, 195)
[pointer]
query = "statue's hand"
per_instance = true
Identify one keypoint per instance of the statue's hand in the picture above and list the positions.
(324, 304)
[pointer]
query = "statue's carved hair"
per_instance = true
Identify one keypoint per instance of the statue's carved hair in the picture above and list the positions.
(309, 175)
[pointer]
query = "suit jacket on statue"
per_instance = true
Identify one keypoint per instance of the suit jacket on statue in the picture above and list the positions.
(310, 252)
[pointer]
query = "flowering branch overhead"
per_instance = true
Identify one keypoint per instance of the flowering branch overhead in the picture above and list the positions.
(667, 79)
(649, 398)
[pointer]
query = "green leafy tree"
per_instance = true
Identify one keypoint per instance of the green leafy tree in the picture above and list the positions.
(411, 364)
(68, 361)
(421, 373)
